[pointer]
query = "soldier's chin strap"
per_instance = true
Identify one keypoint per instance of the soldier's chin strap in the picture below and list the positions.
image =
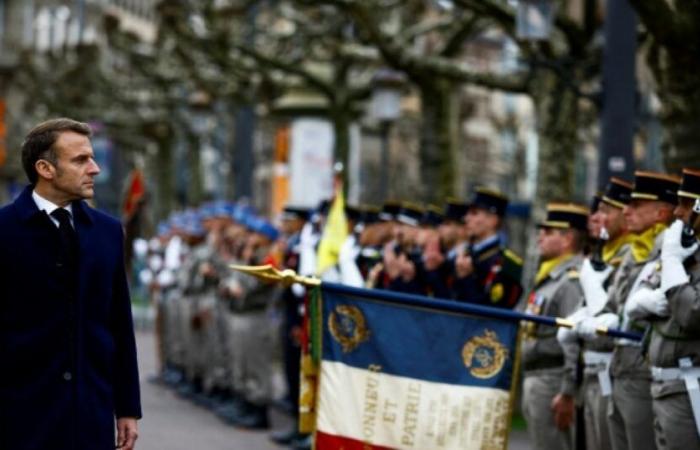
(690, 376)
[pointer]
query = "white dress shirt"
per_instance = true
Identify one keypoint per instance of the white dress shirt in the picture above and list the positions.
(49, 207)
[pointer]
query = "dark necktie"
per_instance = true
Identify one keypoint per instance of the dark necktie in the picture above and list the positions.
(69, 238)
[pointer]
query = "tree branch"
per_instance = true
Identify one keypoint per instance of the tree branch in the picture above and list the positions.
(659, 19)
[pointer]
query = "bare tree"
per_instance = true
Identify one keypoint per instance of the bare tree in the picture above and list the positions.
(672, 55)
(554, 73)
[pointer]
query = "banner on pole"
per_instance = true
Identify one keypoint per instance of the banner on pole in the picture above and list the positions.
(409, 377)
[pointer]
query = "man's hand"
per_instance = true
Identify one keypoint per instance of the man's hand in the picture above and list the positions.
(127, 433)
(407, 268)
(563, 408)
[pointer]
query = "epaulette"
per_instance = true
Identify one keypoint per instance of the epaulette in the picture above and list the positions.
(488, 254)
(512, 264)
(509, 254)
(573, 274)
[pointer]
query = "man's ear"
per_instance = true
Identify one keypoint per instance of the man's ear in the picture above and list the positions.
(45, 169)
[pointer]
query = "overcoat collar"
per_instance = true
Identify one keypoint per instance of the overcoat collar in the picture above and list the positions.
(27, 209)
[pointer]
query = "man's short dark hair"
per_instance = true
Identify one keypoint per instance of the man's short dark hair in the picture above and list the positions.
(39, 143)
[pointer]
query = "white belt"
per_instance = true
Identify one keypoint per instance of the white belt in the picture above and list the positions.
(690, 376)
(591, 358)
(624, 342)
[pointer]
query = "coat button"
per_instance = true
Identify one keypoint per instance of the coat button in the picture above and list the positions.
(67, 376)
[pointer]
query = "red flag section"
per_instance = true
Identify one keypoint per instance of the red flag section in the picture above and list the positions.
(135, 191)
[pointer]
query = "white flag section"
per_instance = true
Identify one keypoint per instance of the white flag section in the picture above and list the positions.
(311, 161)
(388, 411)
(393, 375)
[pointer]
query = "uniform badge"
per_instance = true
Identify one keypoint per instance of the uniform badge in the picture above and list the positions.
(497, 292)
(348, 327)
(484, 355)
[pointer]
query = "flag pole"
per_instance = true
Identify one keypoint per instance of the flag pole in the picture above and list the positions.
(288, 277)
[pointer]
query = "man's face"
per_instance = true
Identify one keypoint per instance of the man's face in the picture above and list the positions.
(480, 223)
(595, 223)
(552, 242)
(613, 220)
(76, 168)
(641, 215)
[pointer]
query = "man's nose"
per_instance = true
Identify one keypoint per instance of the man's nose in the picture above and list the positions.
(93, 169)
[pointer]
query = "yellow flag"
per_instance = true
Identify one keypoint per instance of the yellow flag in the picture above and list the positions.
(334, 234)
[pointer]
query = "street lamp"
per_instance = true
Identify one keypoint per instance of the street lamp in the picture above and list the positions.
(385, 106)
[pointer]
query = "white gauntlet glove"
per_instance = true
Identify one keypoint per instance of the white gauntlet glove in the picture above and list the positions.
(569, 335)
(672, 255)
(586, 329)
(646, 302)
(592, 284)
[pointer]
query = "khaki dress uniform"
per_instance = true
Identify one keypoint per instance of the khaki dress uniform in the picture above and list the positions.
(630, 417)
(546, 370)
(674, 354)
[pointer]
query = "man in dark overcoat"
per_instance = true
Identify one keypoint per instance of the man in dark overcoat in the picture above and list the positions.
(67, 347)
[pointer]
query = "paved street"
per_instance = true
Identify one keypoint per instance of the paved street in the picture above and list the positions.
(175, 424)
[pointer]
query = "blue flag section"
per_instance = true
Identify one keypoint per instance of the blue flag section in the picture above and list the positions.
(418, 342)
(407, 374)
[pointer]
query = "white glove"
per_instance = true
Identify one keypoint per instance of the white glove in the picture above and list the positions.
(586, 329)
(671, 246)
(592, 284)
(672, 255)
(646, 302)
(568, 335)
(298, 290)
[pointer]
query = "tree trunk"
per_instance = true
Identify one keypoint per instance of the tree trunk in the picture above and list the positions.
(165, 178)
(341, 119)
(678, 87)
(439, 139)
(194, 165)
(557, 116)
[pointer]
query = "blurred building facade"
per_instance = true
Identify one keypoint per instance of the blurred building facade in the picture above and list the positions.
(38, 32)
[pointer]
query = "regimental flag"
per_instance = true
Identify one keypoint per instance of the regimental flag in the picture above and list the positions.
(396, 374)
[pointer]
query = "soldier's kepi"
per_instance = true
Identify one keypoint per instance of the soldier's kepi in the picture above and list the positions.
(674, 349)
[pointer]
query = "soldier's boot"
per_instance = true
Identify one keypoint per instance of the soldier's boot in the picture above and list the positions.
(302, 443)
(232, 410)
(286, 436)
(256, 418)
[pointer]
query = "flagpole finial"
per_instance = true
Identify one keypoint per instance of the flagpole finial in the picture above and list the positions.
(269, 273)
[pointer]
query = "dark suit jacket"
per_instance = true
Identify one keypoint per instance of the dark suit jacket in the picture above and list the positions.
(68, 354)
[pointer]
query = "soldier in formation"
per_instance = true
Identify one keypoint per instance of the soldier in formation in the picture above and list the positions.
(232, 343)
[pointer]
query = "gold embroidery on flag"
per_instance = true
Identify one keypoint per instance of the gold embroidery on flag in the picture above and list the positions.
(348, 327)
(484, 355)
